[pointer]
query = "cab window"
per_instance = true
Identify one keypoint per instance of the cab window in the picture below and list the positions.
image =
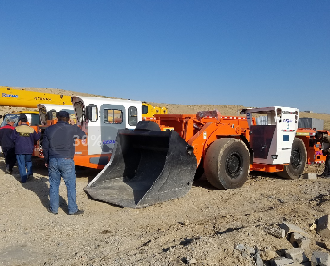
(144, 109)
(113, 116)
(132, 116)
(34, 120)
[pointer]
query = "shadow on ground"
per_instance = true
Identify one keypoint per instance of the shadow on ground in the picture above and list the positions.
(39, 184)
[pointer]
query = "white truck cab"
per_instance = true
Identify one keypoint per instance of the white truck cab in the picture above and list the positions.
(101, 118)
(272, 139)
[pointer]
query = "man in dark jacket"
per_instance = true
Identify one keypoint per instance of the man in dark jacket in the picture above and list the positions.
(58, 147)
(7, 145)
(24, 137)
(326, 151)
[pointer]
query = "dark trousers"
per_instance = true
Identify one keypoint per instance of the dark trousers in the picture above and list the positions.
(10, 158)
(327, 166)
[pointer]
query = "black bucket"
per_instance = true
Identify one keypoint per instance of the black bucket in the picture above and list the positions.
(146, 167)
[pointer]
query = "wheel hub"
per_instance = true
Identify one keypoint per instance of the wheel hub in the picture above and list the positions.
(234, 165)
(295, 158)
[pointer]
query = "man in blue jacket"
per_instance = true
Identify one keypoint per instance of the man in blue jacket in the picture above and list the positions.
(7, 145)
(59, 149)
(24, 138)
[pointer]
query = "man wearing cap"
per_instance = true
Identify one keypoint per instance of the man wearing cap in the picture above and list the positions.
(59, 149)
(24, 138)
(7, 145)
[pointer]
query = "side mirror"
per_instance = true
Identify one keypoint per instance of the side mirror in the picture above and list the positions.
(92, 113)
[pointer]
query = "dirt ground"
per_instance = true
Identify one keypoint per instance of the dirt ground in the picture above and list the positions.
(204, 227)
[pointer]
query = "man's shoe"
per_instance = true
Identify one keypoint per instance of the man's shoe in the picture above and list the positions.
(49, 210)
(29, 177)
(79, 212)
(8, 171)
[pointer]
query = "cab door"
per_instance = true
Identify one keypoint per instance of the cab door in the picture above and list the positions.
(102, 135)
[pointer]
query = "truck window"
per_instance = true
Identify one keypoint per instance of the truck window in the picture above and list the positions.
(113, 116)
(144, 109)
(12, 116)
(34, 120)
(132, 116)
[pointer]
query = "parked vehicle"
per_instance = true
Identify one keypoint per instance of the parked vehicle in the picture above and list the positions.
(159, 160)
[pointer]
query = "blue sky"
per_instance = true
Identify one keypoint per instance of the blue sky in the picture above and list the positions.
(235, 52)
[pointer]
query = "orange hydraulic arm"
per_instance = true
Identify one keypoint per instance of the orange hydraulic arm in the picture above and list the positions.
(201, 132)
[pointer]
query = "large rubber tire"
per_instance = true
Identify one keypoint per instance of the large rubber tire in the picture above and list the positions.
(297, 161)
(227, 163)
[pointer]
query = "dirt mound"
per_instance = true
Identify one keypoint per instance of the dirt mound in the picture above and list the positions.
(229, 110)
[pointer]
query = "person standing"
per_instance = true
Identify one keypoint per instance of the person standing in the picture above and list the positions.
(24, 138)
(326, 151)
(7, 145)
(59, 148)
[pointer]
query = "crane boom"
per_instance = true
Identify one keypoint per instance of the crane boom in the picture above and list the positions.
(30, 99)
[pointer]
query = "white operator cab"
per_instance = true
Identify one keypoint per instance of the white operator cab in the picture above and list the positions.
(48, 112)
(271, 141)
(101, 118)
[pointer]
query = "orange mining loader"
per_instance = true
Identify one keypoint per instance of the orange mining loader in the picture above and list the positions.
(158, 160)
(313, 141)
(311, 131)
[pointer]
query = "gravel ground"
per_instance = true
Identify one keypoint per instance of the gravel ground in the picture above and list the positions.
(202, 228)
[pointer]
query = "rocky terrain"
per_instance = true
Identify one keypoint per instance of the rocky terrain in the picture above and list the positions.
(206, 227)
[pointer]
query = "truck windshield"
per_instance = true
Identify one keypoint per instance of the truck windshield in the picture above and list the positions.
(12, 116)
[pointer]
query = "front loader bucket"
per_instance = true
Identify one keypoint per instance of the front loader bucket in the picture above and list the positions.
(146, 167)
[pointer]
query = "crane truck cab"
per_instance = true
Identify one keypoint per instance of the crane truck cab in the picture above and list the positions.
(32, 116)
(101, 118)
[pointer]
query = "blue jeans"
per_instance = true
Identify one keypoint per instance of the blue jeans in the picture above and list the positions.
(24, 162)
(65, 168)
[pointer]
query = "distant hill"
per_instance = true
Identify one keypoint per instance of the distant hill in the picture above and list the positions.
(232, 110)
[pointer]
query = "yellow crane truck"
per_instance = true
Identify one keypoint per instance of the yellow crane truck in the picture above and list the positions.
(31, 99)
(28, 99)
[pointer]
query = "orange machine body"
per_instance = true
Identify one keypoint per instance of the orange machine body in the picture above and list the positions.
(313, 144)
(200, 133)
